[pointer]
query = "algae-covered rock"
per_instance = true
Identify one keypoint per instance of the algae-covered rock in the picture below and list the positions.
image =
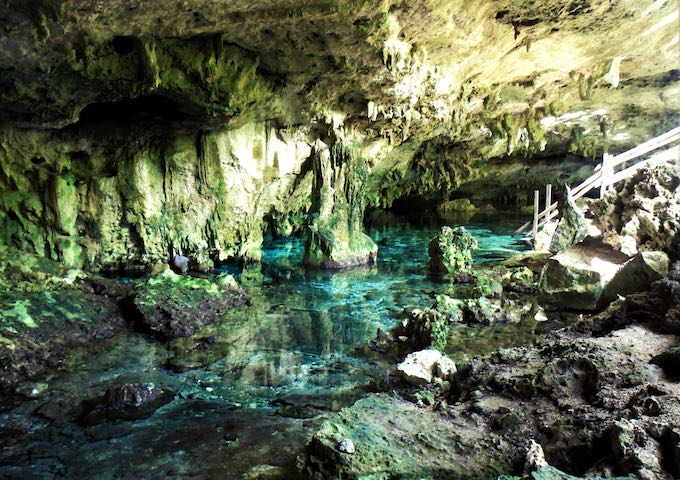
(451, 250)
(46, 310)
(177, 306)
(457, 205)
(335, 237)
(397, 439)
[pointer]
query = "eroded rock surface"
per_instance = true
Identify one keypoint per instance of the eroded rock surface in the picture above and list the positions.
(451, 251)
(335, 236)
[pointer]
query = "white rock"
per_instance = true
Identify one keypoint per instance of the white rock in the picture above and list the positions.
(444, 368)
(347, 446)
(420, 368)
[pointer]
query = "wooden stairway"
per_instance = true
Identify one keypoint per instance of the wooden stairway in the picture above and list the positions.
(605, 175)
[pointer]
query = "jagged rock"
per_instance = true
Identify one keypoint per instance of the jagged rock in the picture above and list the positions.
(131, 395)
(177, 306)
(347, 446)
(576, 277)
(635, 275)
(335, 237)
(420, 368)
(451, 250)
(644, 209)
(571, 228)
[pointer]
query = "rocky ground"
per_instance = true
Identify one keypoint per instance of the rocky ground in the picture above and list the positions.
(597, 398)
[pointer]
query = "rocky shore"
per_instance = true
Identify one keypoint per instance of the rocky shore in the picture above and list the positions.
(598, 398)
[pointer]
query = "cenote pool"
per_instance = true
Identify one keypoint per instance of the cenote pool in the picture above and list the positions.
(248, 393)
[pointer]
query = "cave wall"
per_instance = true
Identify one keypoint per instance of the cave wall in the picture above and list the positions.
(123, 199)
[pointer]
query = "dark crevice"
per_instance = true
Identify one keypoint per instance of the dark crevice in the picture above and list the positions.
(146, 108)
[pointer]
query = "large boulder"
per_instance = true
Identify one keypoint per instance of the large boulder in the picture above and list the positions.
(572, 227)
(451, 250)
(576, 277)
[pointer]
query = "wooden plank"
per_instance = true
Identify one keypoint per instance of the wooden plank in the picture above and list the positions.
(666, 156)
(537, 199)
(548, 198)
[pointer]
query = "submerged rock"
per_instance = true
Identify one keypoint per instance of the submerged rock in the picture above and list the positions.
(129, 401)
(335, 237)
(177, 306)
(451, 250)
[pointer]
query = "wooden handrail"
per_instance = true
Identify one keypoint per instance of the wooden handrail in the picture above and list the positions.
(604, 175)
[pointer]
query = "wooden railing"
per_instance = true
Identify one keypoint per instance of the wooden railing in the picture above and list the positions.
(605, 176)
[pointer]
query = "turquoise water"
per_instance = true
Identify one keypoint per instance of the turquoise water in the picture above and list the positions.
(247, 404)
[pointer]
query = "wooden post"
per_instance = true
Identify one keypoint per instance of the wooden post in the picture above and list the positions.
(605, 172)
(534, 231)
(548, 197)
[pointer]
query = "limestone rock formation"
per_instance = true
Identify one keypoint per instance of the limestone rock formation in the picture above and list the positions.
(127, 131)
(571, 228)
(636, 275)
(335, 236)
(644, 208)
(123, 201)
(451, 250)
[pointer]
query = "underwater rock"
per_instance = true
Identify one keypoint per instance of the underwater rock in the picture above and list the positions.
(645, 208)
(335, 237)
(451, 250)
(174, 306)
(421, 368)
(131, 395)
(571, 228)
(130, 401)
